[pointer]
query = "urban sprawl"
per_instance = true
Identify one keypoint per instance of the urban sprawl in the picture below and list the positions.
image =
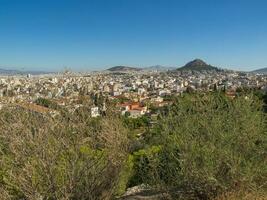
(132, 90)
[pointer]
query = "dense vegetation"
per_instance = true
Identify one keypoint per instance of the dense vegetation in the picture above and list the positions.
(63, 158)
(204, 146)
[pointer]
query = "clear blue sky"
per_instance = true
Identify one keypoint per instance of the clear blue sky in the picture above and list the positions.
(96, 34)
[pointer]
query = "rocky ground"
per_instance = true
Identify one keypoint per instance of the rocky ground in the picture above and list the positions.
(143, 192)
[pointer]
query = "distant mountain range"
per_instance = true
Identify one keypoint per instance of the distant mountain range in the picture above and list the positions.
(8, 72)
(123, 69)
(19, 72)
(197, 65)
(158, 68)
(260, 71)
(131, 69)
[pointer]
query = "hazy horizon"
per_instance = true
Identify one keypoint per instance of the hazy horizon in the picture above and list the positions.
(95, 35)
(90, 69)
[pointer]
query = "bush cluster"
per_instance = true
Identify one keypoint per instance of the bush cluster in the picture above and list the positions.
(203, 146)
(210, 145)
(60, 158)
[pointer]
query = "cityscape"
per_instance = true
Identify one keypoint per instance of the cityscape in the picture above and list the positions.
(133, 100)
(134, 88)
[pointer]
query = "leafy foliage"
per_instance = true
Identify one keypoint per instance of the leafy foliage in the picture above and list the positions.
(47, 103)
(211, 144)
(202, 146)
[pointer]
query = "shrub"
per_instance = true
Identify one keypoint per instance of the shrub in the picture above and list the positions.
(48, 158)
(211, 145)
(47, 103)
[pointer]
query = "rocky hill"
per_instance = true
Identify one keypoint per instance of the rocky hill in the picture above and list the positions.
(197, 65)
